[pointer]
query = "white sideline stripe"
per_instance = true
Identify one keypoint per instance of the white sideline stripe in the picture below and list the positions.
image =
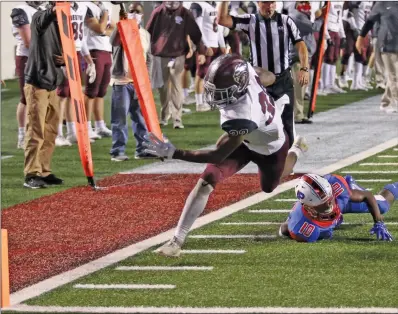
(374, 180)
(285, 200)
(213, 251)
(379, 164)
(119, 255)
(388, 156)
(172, 268)
(6, 157)
(123, 286)
(268, 211)
(395, 149)
(232, 236)
(255, 223)
(204, 310)
(369, 172)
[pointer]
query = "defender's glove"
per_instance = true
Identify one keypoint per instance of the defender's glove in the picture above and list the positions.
(380, 229)
(157, 147)
(91, 73)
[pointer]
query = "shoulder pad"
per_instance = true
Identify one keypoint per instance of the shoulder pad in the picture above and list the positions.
(238, 127)
(19, 17)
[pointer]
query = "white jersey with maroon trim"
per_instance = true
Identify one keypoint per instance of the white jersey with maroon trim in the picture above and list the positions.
(362, 13)
(206, 17)
(335, 18)
(78, 13)
(97, 41)
(257, 117)
(21, 15)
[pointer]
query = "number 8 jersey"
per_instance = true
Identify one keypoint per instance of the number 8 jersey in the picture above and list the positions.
(256, 117)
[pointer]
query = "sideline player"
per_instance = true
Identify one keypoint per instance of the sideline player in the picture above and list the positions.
(21, 17)
(322, 201)
(253, 132)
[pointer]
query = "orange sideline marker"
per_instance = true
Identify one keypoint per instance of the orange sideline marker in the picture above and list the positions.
(5, 276)
(77, 99)
(130, 37)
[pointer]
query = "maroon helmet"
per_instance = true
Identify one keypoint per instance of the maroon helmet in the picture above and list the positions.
(226, 80)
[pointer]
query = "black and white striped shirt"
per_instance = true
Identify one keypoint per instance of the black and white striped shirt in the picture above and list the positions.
(269, 39)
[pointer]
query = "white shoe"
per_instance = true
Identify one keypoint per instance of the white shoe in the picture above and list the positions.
(178, 124)
(301, 143)
(358, 87)
(336, 90)
(189, 100)
(389, 109)
(21, 142)
(381, 85)
(163, 122)
(186, 110)
(93, 135)
(170, 249)
(73, 139)
(103, 132)
(203, 108)
(343, 82)
(62, 141)
(322, 92)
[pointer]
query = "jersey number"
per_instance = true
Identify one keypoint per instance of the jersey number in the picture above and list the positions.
(77, 30)
(267, 103)
(307, 229)
(337, 189)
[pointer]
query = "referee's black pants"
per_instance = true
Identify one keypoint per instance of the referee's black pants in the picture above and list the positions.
(284, 85)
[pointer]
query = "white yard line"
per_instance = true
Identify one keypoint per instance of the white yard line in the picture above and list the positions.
(395, 149)
(123, 286)
(255, 223)
(119, 255)
(232, 236)
(269, 211)
(368, 172)
(379, 164)
(213, 251)
(387, 156)
(7, 157)
(164, 268)
(373, 180)
(285, 200)
(204, 310)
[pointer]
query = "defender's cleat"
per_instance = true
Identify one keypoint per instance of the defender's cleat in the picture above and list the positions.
(170, 249)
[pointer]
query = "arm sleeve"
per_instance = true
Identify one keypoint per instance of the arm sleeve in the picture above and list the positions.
(241, 22)
(294, 33)
(238, 127)
(221, 40)
(42, 19)
(84, 50)
(373, 17)
(19, 17)
(341, 29)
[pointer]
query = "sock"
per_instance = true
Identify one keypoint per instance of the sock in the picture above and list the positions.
(100, 124)
(185, 90)
(194, 206)
(311, 79)
(70, 128)
(358, 74)
(199, 99)
(393, 188)
(323, 76)
(89, 126)
(326, 81)
(60, 131)
(21, 131)
(332, 75)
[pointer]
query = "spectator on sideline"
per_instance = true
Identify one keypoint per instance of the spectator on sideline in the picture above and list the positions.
(124, 96)
(169, 25)
(301, 15)
(21, 17)
(386, 14)
(43, 74)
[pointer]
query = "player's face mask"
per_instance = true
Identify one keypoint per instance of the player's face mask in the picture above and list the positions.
(323, 212)
(304, 7)
(172, 5)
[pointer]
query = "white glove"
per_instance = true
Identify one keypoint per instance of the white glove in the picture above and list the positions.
(102, 7)
(157, 147)
(91, 73)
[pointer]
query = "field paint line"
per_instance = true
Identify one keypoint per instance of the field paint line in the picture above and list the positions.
(213, 251)
(395, 149)
(286, 200)
(387, 156)
(373, 180)
(7, 157)
(379, 164)
(203, 310)
(269, 211)
(123, 286)
(232, 236)
(256, 223)
(121, 254)
(368, 172)
(162, 268)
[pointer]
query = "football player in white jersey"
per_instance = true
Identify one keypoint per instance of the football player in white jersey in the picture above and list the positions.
(206, 17)
(332, 54)
(100, 27)
(21, 17)
(78, 15)
(253, 132)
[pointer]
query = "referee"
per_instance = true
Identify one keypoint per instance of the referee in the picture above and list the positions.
(270, 34)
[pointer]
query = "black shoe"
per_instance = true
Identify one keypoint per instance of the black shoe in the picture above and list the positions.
(145, 156)
(34, 182)
(306, 121)
(52, 180)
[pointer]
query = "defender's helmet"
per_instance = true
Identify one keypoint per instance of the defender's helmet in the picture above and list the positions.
(226, 80)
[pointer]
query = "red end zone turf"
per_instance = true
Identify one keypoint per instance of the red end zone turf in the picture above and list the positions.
(56, 233)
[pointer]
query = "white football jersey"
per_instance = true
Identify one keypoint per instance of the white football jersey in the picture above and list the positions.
(94, 40)
(206, 17)
(21, 15)
(335, 18)
(362, 13)
(78, 13)
(257, 117)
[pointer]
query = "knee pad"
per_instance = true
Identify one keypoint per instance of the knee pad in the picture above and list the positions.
(393, 188)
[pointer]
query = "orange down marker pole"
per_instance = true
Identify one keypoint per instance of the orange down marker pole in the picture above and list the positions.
(130, 37)
(5, 276)
(75, 85)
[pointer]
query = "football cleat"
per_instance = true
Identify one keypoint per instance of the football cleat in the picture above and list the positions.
(301, 143)
(170, 249)
(103, 132)
(62, 141)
